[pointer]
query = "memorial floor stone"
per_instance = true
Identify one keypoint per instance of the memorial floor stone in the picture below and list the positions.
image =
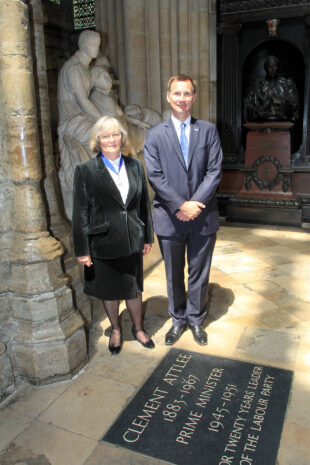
(198, 409)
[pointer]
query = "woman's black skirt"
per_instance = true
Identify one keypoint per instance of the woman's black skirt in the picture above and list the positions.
(114, 279)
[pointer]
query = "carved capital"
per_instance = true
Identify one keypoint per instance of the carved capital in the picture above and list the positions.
(225, 28)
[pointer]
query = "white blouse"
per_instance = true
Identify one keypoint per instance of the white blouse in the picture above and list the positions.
(120, 179)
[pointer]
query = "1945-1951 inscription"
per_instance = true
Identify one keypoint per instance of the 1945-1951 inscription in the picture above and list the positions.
(205, 410)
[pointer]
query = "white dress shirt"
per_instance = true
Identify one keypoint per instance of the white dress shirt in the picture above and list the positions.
(120, 179)
(177, 124)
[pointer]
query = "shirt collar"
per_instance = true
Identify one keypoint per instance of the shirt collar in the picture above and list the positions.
(115, 162)
(177, 123)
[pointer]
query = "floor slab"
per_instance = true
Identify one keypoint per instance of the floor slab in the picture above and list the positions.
(258, 311)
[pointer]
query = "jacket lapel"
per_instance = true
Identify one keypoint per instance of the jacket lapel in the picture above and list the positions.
(104, 174)
(193, 139)
(132, 179)
(174, 141)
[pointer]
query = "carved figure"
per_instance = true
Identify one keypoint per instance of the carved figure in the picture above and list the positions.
(77, 113)
(274, 98)
(150, 117)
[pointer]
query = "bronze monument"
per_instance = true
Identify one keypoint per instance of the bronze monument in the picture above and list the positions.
(273, 98)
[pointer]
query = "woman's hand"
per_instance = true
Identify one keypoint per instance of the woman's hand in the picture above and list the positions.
(146, 248)
(85, 260)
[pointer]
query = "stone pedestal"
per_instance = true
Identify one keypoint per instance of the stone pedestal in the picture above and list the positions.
(266, 195)
(267, 165)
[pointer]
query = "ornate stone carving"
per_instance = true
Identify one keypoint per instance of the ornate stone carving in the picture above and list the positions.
(266, 202)
(84, 95)
(267, 172)
(224, 28)
(248, 5)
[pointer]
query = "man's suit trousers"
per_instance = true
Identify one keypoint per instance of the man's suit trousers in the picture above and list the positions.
(199, 249)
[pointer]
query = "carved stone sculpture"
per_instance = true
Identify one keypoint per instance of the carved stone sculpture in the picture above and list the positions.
(77, 113)
(150, 117)
(274, 98)
(101, 97)
(84, 95)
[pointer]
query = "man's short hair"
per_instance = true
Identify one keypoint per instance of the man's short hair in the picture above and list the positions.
(182, 77)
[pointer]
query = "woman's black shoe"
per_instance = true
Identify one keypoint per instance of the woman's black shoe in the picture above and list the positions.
(115, 349)
(147, 344)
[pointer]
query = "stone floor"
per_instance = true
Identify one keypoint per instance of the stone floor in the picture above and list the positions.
(259, 311)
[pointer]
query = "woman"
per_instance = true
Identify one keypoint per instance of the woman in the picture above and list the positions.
(112, 227)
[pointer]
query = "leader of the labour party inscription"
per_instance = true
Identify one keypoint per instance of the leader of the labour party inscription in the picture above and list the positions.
(274, 98)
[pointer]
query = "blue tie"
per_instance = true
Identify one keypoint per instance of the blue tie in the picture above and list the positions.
(184, 143)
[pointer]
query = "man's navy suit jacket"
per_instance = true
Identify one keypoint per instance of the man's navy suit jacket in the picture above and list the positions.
(173, 183)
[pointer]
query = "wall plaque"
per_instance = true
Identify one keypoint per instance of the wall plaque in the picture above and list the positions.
(198, 409)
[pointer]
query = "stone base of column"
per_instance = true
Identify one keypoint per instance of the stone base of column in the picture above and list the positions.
(6, 373)
(82, 302)
(45, 332)
(45, 363)
(47, 337)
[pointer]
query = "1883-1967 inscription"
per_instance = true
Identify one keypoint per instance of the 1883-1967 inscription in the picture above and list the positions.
(205, 410)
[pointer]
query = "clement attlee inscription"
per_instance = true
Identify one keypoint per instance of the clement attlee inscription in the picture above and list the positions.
(199, 409)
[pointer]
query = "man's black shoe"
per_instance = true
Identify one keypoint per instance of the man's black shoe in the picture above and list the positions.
(200, 335)
(174, 334)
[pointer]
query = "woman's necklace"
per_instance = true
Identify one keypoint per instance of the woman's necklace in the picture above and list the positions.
(113, 168)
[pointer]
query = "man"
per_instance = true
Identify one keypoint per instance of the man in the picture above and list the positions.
(183, 163)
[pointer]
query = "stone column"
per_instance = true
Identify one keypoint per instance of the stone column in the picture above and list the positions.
(150, 40)
(212, 106)
(135, 51)
(43, 332)
(165, 49)
(56, 218)
(229, 114)
(152, 55)
(57, 221)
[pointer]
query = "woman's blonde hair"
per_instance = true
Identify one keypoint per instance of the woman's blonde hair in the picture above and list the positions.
(101, 126)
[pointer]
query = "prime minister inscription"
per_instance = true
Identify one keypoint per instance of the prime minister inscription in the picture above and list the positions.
(205, 410)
